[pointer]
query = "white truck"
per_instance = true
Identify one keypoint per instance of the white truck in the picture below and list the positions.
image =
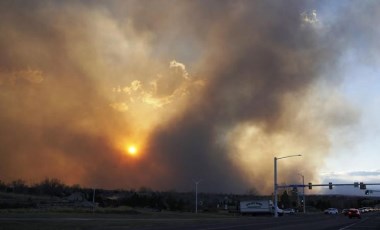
(258, 207)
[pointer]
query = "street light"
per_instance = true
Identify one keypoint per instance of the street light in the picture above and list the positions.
(275, 180)
(303, 192)
(196, 195)
(93, 201)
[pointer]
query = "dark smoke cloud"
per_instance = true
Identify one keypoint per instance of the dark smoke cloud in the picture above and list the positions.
(254, 58)
(78, 77)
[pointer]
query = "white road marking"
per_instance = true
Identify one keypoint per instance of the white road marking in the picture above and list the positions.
(347, 227)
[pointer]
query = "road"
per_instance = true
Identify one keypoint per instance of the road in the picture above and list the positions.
(369, 221)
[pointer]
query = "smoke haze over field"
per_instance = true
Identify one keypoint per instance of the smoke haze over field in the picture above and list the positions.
(209, 90)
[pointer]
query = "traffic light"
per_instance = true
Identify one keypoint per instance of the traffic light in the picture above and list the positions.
(362, 185)
(330, 185)
(310, 186)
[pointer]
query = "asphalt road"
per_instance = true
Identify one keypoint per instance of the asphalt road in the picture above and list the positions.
(369, 221)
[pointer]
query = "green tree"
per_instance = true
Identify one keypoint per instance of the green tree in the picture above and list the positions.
(18, 186)
(52, 187)
(285, 199)
(323, 204)
(3, 186)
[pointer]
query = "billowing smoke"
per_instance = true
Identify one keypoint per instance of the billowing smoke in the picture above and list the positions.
(209, 90)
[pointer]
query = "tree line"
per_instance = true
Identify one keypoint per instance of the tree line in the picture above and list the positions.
(144, 197)
(49, 187)
(172, 200)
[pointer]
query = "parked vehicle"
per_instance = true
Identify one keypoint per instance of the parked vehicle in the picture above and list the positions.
(353, 212)
(367, 209)
(289, 211)
(258, 207)
(345, 212)
(331, 211)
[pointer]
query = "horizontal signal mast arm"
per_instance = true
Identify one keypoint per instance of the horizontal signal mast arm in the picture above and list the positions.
(319, 185)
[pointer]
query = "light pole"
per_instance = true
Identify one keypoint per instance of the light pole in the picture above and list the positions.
(93, 201)
(196, 195)
(303, 192)
(275, 180)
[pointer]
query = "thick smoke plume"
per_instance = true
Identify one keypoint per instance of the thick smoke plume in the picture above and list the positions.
(209, 90)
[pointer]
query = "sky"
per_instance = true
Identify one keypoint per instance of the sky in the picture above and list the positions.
(159, 94)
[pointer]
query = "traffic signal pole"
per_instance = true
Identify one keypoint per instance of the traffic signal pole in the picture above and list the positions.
(330, 185)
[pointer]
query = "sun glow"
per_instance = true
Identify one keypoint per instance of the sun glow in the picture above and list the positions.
(130, 147)
(132, 150)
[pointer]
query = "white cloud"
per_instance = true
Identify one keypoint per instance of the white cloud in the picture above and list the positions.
(181, 67)
(309, 17)
(160, 91)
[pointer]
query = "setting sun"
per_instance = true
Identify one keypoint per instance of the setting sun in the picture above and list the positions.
(130, 147)
(132, 150)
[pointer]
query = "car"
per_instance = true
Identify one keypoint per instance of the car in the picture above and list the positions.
(332, 211)
(345, 211)
(289, 211)
(368, 209)
(353, 212)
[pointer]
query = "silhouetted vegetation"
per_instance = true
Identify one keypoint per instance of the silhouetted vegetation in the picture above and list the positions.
(51, 193)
